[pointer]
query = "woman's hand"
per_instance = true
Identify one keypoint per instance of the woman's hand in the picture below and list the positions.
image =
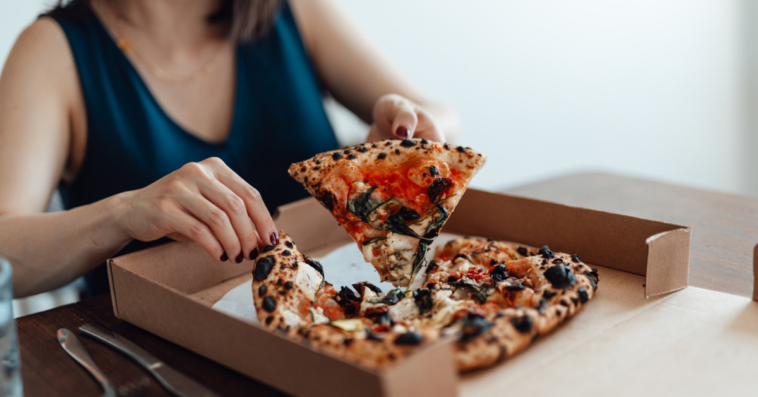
(204, 202)
(398, 117)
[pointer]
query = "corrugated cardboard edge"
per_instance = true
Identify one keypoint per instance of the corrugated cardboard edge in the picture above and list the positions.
(755, 273)
(668, 262)
(113, 290)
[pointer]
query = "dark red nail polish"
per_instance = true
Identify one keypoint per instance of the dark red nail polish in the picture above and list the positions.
(402, 132)
(274, 238)
(224, 258)
(254, 253)
(238, 259)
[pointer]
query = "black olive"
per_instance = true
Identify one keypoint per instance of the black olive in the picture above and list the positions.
(437, 188)
(499, 273)
(269, 304)
(433, 171)
(473, 326)
(560, 276)
(409, 338)
(423, 299)
(263, 267)
(545, 252)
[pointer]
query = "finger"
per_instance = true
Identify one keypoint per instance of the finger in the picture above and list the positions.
(404, 119)
(216, 220)
(234, 207)
(190, 228)
(254, 204)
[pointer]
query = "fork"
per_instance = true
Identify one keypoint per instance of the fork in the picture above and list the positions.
(74, 348)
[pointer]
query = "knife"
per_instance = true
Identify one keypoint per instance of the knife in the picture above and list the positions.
(174, 381)
(70, 343)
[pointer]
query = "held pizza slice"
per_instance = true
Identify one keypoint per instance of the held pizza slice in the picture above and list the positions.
(391, 196)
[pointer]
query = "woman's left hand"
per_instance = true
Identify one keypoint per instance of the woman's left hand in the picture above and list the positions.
(399, 117)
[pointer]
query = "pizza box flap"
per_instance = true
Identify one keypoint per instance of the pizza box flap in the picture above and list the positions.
(657, 250)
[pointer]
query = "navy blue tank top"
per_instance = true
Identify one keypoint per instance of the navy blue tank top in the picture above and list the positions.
(131, 142)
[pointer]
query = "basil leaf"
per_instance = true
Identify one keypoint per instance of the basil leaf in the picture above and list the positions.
(423, 299)
(478, 293)
(360, 207)
(314, 264)
(390, 299)
(418, 260)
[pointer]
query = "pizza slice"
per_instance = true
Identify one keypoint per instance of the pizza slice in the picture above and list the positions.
(391, 196)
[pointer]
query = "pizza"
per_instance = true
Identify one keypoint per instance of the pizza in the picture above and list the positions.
(494, 297)
(391, 196)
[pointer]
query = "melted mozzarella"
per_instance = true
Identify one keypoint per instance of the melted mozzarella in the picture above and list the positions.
(308, 279)
(404, 309)
(399, 242)
(291, 318)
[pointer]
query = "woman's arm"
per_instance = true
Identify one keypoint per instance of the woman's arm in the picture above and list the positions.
(39, 93)
(360, 78)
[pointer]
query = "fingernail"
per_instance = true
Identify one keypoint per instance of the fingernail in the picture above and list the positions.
(254, 253)
(224, 258)
(274, 238)
(238, 259)
(402, 132)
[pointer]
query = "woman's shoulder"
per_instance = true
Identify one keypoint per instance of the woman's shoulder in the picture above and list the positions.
(41, 48)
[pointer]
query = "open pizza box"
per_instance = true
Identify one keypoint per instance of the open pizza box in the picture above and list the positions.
(643, 332)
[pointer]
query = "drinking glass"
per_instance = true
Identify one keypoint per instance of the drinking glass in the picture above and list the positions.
(10, 362)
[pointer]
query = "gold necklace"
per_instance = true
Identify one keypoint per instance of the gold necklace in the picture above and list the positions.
(126, 45)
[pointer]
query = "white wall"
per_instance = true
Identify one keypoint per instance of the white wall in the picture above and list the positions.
(648, 88)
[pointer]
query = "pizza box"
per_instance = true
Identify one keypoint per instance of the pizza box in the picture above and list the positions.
(633, 332)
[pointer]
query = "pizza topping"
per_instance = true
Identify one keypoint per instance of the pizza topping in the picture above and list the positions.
(593, 276)
(314, 264)
(576, 258)
(545, 252)
(309, 280)
(404, 310)
(409, 338)
(375, 311)
(560, 276)
(269, 304)
(362, 286)
(498, 274)
(263, 267)
(391, 298)
(433, 171)
(408, 143)
(523, 323)
(423, 299)
(522, 251)
(318, 316)
(438, 188)
(473, 326)
(337, 155)
(349, 324)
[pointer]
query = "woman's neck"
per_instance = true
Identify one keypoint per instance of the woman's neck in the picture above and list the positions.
(171, 24)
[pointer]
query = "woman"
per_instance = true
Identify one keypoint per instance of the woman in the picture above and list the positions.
(176, 118)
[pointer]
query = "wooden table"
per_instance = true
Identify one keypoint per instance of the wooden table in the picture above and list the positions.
(725, 229)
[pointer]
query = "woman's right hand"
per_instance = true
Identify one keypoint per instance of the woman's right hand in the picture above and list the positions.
(204, 202)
